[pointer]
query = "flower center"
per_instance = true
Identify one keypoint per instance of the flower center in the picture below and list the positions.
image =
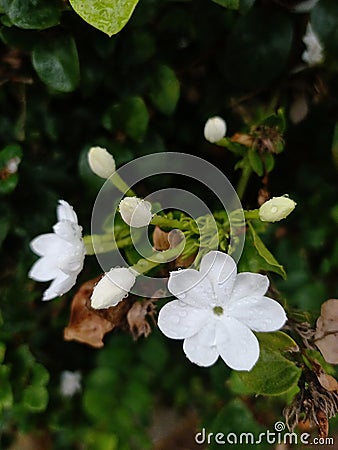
(218, 310)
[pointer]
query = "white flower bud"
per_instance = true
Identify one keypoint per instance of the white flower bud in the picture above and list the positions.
(112, 288)
(101, 162)
(135, 212)
(276, 209)
(314, 53)
(215, 129)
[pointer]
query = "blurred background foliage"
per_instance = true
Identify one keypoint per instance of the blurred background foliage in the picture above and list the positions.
(66, 86)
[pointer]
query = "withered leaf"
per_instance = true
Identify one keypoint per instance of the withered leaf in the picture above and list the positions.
(163, 240)
(326, 381)
(89, 326)
(326, 337)
(137, 318)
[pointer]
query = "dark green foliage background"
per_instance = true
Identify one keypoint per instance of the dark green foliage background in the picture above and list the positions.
(66, 86)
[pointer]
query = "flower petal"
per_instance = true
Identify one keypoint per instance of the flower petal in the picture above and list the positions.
(221, 270)
(62, 284)
(68, 231)
(200, 348)
(249, 284)
(47, 245)
(259, 313)
(71, 264)
(178, 321)
(219, 266)
(192, 288)
(44, 269)
(237, 345)
(66, 212)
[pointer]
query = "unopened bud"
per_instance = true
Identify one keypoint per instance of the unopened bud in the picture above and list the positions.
(101, 162)
(276, 209)
(112, 288)
(215, 129)
(135, 212)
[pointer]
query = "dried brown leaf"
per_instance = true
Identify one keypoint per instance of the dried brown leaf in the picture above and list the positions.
(137, 318)
(326, 381)
(160, 239)
(87, 325)
(326, 337)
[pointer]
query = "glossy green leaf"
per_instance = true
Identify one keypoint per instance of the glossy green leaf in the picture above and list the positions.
(265, 253)
(255, 162)
(109, 16)
(32, 14)
(273, 374)
(256, 55)
(231, 4)
(6, 395)
(130, 116)
(35, 398)
(165, 89)
(56, 62)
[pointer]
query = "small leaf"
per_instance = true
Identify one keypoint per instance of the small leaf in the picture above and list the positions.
(32, 14)
(109, 16)
(6, 395)
(273, 374)
(255, 162)
(269, 162)
(165, 90)
(266, 254)
(35, 398)
(56, 62)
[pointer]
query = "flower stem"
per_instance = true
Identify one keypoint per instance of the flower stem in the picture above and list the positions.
(243, 181)
(104, 243)
(121, 185)
(162, 221)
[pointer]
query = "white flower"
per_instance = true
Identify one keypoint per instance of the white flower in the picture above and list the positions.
(101, 162)
(112, 288)
(215, 129)
(62, 253)
(314, 51)
(135, 211)
(215, 311)
(276, 209)
(70, 383)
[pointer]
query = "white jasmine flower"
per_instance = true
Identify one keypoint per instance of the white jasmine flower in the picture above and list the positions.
(70, 383)
(101, 162)
(135, 211)
(215, 129)
(313, 54)
(62, 253)
(215, 311)
(112, 288)
(276, 209)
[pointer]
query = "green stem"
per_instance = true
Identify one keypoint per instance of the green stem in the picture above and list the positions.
(121, 185)
(243, 181)
(163, 221)
(253, 214)
(104, 243)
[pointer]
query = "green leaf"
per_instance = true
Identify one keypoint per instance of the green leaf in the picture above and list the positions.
(130, 116)
(40, 375)
(252, 261)
(6, 395)
(35, 398)
(265, 253)
(276, 121)
(230, 4)
(269, 162)
(109, 16)
(165, 89)
(56, 62)
(255, 162)
(2, 352)
(273, 374)
(256, 55)
(32, 14)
